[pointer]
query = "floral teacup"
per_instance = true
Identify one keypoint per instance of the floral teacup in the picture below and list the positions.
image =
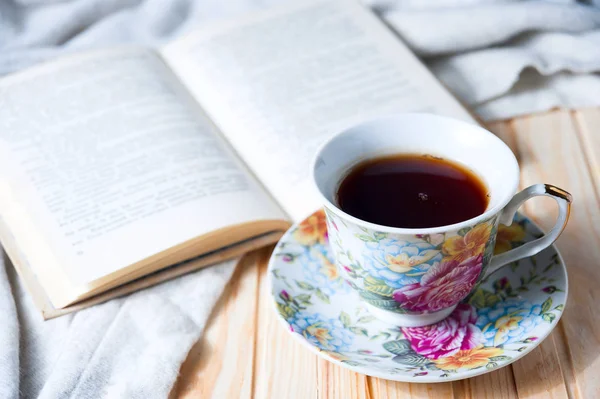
(415, 277)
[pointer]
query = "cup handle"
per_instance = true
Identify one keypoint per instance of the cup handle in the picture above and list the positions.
(531, 248)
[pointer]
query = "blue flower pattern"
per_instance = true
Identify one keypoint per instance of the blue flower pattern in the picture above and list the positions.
(314, 272)
(511, 307)
(338, 339)
(375, 261)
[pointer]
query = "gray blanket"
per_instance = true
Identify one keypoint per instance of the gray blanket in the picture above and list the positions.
(503, 58)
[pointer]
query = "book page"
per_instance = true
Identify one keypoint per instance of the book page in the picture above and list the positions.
(279, 83)
(108, 160)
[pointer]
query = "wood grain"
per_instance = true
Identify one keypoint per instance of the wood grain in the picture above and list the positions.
(283, 368)
(556, 156)
(246, 352)
(400, 390)
(340, 383)
(542, 365)
(221, 364)
(497, 385)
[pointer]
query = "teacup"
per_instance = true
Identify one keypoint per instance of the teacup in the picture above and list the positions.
(415, 277)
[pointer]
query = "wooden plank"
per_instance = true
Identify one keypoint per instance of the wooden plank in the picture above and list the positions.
(401, 390)
(564, 356)
(283, 368)
(504, 131)
(544, 360)
(520, 371)
(546, 378)
(220, 364)
(498, 384)
(334, 381)
(585, 354)
(542, 365)
(588, 124)
(554, 154)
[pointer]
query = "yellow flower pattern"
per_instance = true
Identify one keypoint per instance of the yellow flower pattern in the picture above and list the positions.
(328, 268)
(505, 324)
(313, 230)
(507, 235)
(473, 243)
(468, 359)
(403, 263)
(320, 333)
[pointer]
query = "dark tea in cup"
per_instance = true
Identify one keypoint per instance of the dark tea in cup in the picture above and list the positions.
(412, 191)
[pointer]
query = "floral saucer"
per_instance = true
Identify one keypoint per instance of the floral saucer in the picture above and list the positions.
(502, 320)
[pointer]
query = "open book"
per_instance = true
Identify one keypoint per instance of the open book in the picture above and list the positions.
(125, 167)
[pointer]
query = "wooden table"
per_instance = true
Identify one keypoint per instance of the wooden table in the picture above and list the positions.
(246, 353)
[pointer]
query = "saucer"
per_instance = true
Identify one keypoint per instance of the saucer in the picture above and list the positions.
(502, 320)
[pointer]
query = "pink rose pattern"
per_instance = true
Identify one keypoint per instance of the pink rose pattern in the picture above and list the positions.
(457, 332)
(443, 285)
